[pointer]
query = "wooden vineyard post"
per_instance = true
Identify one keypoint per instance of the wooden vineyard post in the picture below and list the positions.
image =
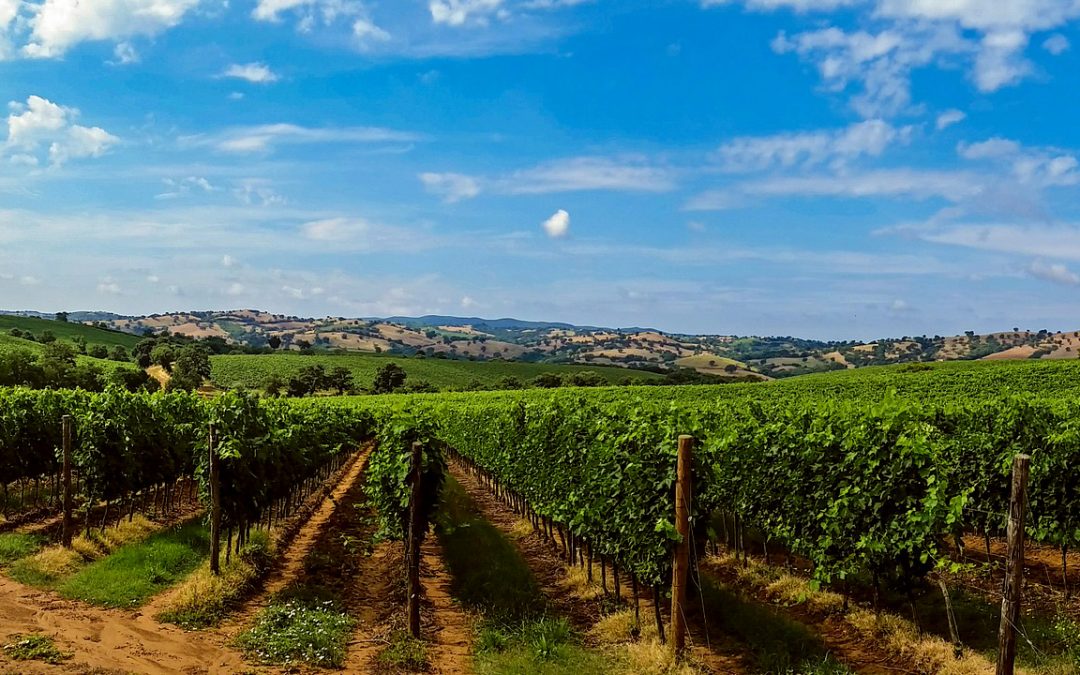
(67, 424)
(215, 508)
(1014, 570)
(416, 518)
(681, 565)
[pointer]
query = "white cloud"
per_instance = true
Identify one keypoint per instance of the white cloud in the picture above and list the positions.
(1056, 44)
(757, 153)
(256, 73)
(460, 12)
(558, 225)
(179, 187)
(58, 25)
(40, 122)
(949, 118)
(108, 287)
(236, 288)
(1061, 241)
(468, 303)
(258, 192)
(263, 138)
(367, 32)
(452, 187)
(1055, 272)
(227, 261)
(125, 54)
(897, 37)
(627, 174)
(990, 148)
(1042, 167)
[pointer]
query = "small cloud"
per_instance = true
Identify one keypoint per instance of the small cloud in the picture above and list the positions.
(236, 96)
(124, 54)
(153, 279)
(235, 288)
(108, 287)
(1056, 44)
(468, 303)
(695, 226)
(367, 32)
(29, 281)
(228, 261)
(899, 306)
(1054, 272)
(992, 148)
(557, 225)
(430, 77)
(256, 73)
(949, 118)
(452, 187)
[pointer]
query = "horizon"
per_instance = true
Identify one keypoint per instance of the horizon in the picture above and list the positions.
(830, 170)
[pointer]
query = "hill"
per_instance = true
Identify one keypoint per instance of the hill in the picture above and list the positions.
(479, 339)
(68, 331)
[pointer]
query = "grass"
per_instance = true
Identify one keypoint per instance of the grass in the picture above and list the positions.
(203, 599)
(69, 331)
(544, 646)
(34, 647)
(299, 631)
(136, 572)
(404, 654)
(250, 370)
(15, 545)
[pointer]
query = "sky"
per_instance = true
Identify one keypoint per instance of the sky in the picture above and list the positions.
(840, 169)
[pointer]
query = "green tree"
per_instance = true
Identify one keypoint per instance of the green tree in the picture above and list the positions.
(118, 353)
(389, 378)
(341, 379)
(62, 317)
(190, 368)
(98, 351)
(274, 385)
(274, 342)
(547, 381)
(163, 355)
(47, 336)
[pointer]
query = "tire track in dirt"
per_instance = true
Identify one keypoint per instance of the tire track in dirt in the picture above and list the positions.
(716, 653)
(447, 627)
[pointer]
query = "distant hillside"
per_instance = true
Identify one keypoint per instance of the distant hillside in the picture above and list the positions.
(67, 330)
(479, 339)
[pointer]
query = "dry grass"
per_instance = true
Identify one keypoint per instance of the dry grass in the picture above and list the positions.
(52, 562)
(637, 651)
(927, 653)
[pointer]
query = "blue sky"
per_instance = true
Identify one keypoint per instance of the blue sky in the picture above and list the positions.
(824, 168)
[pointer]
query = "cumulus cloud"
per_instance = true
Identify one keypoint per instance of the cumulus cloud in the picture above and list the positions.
(1055, 272)
(835, 147)
(256, 73)
(460, 12)
(1056, 44)
(40, 123)
(367, 32)
(949, 118)
(897, 37)
(58, 25)
(1042, 167)
(558, 225)
(452, 187)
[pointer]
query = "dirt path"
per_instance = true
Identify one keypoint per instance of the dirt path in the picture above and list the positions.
(290, 564)
(120, 641)
(716, 653)
(447, 627)
(108, 640)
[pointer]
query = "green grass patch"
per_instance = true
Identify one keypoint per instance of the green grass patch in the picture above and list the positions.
(136, 572)
(488, 573)
(203, 599)
(15, 545)
(34, 647)
(69, 331)
(250, 370)
(404, 654)
(298, 631)
(545, 646)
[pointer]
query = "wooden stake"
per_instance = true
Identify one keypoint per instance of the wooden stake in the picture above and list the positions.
(1014, 570)
(416, 523)
(681, 564)
(215, 507)
(67, 433)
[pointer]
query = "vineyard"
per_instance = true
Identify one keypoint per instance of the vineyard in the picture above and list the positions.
(880, 479)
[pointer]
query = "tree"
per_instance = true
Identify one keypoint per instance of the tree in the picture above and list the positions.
(273, 385)
(62, 317)
(190, 368)
(388, 379)
(133, 380)
(274, 342)
(547, 381)
(118, 353)
(340, 378)
(47, 336)
(163, 355)
(509, 382)
(308, 381)
(730, 368)
(98, 351)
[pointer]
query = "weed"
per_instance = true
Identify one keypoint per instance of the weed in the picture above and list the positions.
(14, 545)
(34, 647)
(299, 632)
(405, 653)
